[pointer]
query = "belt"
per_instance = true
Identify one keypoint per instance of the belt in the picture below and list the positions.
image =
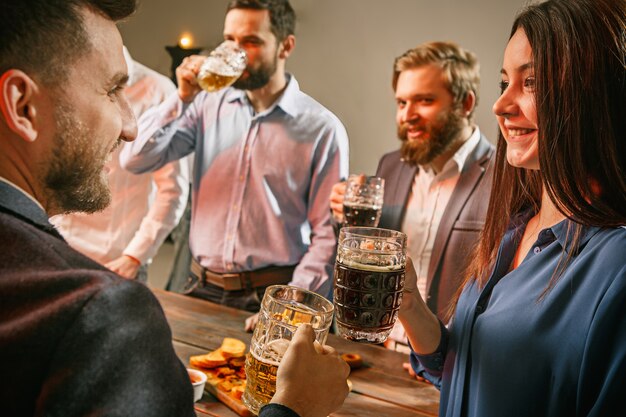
(242, 280)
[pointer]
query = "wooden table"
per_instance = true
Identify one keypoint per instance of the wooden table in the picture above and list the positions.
(381, 388)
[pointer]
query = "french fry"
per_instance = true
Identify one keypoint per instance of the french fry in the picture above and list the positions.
(225, 386)
(237, 362)
(224, 371)
(226, 375)
(237, 391)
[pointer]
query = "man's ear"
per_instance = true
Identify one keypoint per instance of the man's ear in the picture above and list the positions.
(287, 46)
(469, 103)
(19, 109)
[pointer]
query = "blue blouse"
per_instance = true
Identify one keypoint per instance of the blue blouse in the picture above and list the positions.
(510, 352)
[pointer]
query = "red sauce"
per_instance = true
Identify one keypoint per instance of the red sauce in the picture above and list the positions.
(194, 377)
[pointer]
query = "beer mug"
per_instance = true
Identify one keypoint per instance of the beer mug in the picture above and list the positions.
(369, 280)
(363, 201)
(222, 67)
(283, 309)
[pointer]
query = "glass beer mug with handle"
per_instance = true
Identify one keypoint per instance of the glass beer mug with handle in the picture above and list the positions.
(363, 201)
(222, 67)
(283, 309)
(369, 282)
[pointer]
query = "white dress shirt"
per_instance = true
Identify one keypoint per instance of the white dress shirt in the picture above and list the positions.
(430, 194)
(261, 180)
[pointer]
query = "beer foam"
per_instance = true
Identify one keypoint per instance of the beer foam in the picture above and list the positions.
(217, 66)
(373, 268)
(362, 206)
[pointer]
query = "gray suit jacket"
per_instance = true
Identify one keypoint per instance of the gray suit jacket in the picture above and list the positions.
(460, 225)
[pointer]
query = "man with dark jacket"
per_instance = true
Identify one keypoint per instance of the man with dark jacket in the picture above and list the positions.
(75, 338)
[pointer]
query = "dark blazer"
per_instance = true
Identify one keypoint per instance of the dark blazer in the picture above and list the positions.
(75, 339)
(460, 225)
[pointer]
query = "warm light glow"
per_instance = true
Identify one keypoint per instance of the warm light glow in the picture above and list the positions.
(185, 40)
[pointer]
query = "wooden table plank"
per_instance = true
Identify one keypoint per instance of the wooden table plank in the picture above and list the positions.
(361, 406)
(381, 387)
(356, 405)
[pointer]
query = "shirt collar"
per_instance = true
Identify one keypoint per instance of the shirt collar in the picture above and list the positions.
(563, 232)
(286, 101)
(460, 159)
(18, 188)
(18, 201)
(461, 156)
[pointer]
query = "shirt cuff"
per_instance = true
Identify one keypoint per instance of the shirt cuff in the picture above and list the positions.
(276, 410)
(433, 362)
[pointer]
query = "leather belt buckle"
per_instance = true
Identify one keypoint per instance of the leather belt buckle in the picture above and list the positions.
(232, 282)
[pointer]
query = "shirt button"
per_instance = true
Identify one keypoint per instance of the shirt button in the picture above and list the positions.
(537, 249)
(479, 309)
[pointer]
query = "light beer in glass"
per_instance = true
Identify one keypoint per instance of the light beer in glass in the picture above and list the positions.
(222, 67)
(283, 309)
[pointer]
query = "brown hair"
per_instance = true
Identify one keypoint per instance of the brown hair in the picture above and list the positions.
(460, 67)
(282, 16)
(42, 37)
(579, 56)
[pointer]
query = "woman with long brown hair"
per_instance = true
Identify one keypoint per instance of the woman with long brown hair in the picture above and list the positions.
(540, 324)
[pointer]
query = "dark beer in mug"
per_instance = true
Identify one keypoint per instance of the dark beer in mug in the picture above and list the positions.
(363, 201)
(361, 215)
(368, 282)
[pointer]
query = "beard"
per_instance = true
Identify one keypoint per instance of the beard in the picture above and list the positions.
(442, 135)
(74, 177)
(257, 78)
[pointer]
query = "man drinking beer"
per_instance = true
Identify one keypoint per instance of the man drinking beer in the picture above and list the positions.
(266, 158)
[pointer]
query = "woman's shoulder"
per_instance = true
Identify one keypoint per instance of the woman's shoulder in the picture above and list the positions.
(607, 246)
(611, 236)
